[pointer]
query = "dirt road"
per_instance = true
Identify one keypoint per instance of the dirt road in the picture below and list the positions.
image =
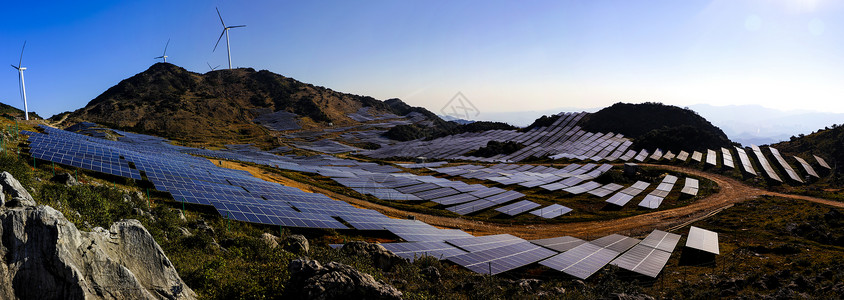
(732, 191)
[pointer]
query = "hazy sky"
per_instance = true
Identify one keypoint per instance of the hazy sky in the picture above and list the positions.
(503, 56)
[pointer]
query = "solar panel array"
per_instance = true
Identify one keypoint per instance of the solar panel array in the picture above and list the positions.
(822, 162)
(562, 139)
(655, 197)
(728, 157)
(691, 187)
(551, 211)
(806, 167)
(621, 198)
(683, 156)
(697, 156)
(745, 161)
(587, 258)
(788, 169)
(711, 157)
(650, 255)
(703, 240)
(765, 164)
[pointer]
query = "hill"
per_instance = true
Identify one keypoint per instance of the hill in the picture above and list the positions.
(169, 101)
(655, 125)
(13, 112)
(825, 143)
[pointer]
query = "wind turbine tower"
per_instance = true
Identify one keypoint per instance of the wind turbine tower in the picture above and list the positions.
(164, 56)
(22, 83)
(225, 32)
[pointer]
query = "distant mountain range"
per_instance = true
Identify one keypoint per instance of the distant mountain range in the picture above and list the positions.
(754, 124)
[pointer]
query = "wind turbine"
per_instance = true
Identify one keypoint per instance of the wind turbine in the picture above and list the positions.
(226, 32)
(21, 82)
(164, 56)
(212, 68)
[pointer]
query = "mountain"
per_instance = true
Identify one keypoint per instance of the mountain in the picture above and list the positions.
(655, 125)
(755, 124)
(169, 101)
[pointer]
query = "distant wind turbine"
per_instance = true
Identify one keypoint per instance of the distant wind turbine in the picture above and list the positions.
(226, 32)
(21, 82)
(212, 68)
(164, 56)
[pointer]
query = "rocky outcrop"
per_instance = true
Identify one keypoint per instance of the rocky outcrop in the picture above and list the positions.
(46, 257)
(381, 257)
(296, 243)
(311, 280)
(66, 179)
(20, 197)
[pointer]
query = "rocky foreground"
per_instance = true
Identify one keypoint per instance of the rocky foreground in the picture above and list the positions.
(47, 257)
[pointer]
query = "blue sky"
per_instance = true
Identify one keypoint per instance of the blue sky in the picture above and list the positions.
(502, 55)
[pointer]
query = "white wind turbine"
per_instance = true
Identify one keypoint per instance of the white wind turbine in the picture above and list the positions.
(226, 32)
(164, 56)
(212, 68)
(21, 82)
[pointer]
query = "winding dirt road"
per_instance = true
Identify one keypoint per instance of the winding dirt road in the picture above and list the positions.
(731, 191)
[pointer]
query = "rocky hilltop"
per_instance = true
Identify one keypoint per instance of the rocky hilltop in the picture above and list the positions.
(225, 105)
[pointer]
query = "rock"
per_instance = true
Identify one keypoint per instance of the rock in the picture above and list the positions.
(20, 197)
(66, 179)
(381, 257)
(431, 273)
(296, 243)
(181, 215)
(127, 198)
(48, 258)
(270, 240)
(311, 280)
(185, 232)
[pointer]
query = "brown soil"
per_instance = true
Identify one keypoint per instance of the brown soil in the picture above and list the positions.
(731, 191)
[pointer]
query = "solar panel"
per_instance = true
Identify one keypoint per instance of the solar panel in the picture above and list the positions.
(560, 244)
(703, 240)
(711, 157)
(785, 165)
(415, 250)
(518, 207)
(728, 157)
(745, 161)
(551, 211)
(643, 260)
(661, 240)
(581, 261)
(766, 166)
(806, 167)
(419, 234)
(683, 156)
(616, 242)
(697, 156)
(480, 243)
(455, 199)
(470, 207)
(606, 190)
(691, 187)
(502, 259)
(822, 162)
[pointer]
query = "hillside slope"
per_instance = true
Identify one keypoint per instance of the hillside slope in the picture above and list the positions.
(828, 143)
(655, 125)
(169, 101)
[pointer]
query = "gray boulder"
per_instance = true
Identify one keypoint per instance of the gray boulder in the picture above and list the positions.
(296, 243)
(20, 197)
(66, 179)
(270, 240)
(311, 280)
(381, 257)
(46, 257)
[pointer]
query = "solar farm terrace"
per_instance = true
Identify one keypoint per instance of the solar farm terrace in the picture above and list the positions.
(237, 195)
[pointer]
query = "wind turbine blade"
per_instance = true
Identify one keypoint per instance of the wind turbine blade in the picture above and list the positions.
(221, 17)
(230, 27)
(21, 60)
(165, 47)
(13, 66)
(218, 40)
